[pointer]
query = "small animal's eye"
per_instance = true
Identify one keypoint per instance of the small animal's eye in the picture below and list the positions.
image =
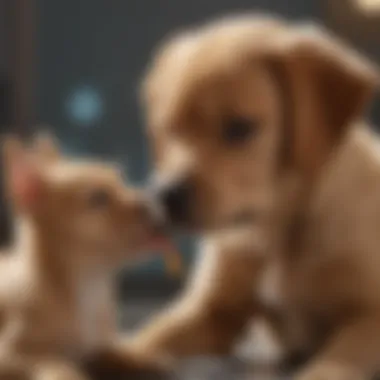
(99, 198)
(237, 130)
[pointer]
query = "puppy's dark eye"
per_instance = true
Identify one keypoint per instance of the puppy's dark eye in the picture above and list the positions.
(99, 198)
(237, 130)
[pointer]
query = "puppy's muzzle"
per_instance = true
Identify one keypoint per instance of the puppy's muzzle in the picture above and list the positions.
(175, 199)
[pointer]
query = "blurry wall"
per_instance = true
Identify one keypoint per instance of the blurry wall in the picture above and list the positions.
(4, 111)
(16, 80)
(3, 43)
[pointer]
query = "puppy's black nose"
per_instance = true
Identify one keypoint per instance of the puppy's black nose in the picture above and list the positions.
(175, 199)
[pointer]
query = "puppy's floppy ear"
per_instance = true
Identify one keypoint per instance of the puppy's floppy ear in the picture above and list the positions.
(331, 86)
(23, 182)
(46, 146)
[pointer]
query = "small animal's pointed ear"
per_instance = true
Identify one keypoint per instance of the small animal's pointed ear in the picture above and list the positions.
(46, 147)
(23, 182)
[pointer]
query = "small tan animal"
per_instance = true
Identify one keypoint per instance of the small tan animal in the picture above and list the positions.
(75, 223)
(257, 122)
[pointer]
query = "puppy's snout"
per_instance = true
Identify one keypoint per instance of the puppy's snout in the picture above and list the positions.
(175, 199)
(146, 211)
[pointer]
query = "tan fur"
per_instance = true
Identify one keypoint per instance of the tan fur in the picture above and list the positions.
(56, 296)
(311, 175)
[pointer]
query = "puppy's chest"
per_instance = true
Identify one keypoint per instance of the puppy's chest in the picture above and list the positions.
(312, 285)
(94, 306)
(308, 296)
(282, 308)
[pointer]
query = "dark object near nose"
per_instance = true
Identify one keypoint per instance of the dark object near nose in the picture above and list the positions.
(175, 199)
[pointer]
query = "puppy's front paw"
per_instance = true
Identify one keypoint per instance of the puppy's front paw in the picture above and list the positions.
(117, 365)
(55, 371)
(329, 371)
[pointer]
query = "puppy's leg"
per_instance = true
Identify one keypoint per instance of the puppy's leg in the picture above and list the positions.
(118, 362)
(19, 367)
(14, 370)
(214, 309)
(56, 369)
(352, 354)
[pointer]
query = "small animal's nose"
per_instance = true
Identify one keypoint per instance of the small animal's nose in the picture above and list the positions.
(175, 199)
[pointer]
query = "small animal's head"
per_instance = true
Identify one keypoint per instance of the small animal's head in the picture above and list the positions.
(238, 105)
(82, 204)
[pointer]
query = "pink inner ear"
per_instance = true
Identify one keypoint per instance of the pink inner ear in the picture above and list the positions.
(25, 184)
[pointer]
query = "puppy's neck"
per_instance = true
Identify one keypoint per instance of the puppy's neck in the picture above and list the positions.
(53, 259)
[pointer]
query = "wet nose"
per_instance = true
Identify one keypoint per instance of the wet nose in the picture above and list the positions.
(175, 199)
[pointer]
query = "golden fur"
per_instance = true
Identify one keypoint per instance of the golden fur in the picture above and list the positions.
(310, 176)
(75, 223)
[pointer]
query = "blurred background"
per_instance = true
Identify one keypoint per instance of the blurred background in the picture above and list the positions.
(74, 66)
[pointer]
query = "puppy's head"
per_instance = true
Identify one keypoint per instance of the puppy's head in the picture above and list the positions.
(83, 206)
(237, 105)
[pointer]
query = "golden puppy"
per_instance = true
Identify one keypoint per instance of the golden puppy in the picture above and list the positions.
(256, 123)
(75, 223)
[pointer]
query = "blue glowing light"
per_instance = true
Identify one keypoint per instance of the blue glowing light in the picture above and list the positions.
(85, 105)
